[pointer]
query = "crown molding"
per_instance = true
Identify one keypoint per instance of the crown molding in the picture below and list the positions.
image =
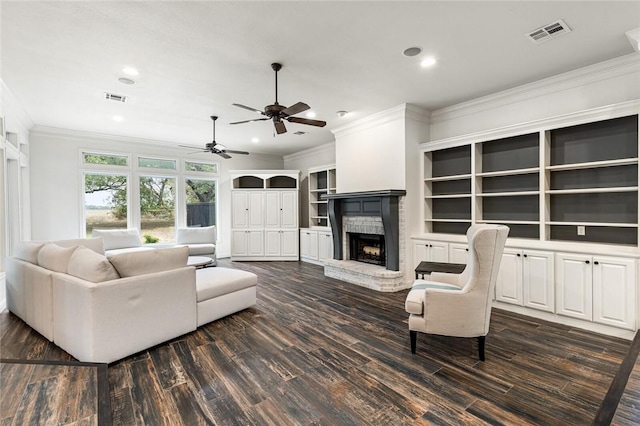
(400, 112)
(601, 71)
(571, 119)
(310, 152)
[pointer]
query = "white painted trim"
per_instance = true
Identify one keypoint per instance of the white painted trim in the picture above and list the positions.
(399, 112)
(604, 70)
(310, 152)
(571, 119)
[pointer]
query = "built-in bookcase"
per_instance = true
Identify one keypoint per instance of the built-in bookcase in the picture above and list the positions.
(575, 183)
(322, 181)
(447, 187)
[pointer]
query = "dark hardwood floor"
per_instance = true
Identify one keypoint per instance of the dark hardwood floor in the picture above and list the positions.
(318, 351)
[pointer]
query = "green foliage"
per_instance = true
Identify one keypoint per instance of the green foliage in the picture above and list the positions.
(112, 160)
(200, 167)
(157, 197)
(201, 191)
(150, 239)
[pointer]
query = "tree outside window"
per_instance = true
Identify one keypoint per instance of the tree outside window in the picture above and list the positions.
(201, 202)
(157, 208)
(105, 201)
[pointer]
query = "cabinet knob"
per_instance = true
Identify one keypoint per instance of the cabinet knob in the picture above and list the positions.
(524, 255)
(595, 262)
(587, 262)
(518, 255)
(466, 249)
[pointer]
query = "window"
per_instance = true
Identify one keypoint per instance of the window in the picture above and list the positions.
(157, 208)
(105, 201)
(156, 163)
(201, 202)
(191, 166)
(105, 159)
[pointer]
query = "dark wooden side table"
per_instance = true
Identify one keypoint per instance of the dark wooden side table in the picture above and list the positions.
(429, 267)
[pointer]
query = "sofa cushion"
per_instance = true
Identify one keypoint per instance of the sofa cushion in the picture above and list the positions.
(91, 266)
(113, 252)
(118, 238)
(196, 235)
(200, 249)
(95, 244)
(28, 251)
(55, 258)
(149, 261)
(214, 282)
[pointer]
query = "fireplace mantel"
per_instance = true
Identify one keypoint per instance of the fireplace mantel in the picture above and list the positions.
(382, 204)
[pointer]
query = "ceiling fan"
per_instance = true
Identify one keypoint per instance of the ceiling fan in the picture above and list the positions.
(214, 147)
(278, 113)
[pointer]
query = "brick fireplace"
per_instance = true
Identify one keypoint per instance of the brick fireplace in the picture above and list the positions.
(368, 240)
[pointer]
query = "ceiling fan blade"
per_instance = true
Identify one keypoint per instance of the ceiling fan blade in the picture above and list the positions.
(249, 108)
(249, 121)
(191, 146)
(296, 108)
(280, 127)
(231, 151)
(300, 120)
(223, 154)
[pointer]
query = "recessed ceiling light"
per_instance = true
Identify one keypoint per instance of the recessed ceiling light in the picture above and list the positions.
(412, 51)
(428, 62)
(342, 113)
(118, 118)
(311, 114)
(255, 140)
(125, 80)
(130, 71)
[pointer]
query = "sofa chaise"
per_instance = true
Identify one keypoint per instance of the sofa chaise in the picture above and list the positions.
(101, 309)
(201, 241)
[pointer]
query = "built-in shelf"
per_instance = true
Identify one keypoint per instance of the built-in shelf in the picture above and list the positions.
(543, 184)
(322, 181)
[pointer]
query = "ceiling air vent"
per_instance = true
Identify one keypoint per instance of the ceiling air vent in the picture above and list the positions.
(114, 97)
(553, 30)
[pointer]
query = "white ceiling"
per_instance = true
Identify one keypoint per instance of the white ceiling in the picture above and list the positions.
(197, 58)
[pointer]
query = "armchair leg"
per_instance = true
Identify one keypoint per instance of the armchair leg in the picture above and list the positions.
(481, 347)
(414, 337)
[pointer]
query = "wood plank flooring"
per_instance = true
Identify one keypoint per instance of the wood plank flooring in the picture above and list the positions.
(318, 351)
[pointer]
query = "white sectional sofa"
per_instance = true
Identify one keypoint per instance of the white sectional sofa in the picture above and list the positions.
(201, 241)
(102, 309)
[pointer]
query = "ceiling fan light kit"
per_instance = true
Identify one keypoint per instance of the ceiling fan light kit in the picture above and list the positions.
(279, 113)
(216, 148)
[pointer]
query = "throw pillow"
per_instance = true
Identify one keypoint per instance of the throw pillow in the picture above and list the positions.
(91, 266)
(150, 261)
(202, 235)
(95, 244)
(55, 258)
(118, 238)
(28, 251)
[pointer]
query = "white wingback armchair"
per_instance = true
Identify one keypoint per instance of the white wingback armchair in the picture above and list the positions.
(459, 305)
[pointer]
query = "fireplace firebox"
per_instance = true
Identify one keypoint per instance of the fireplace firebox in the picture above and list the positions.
(367, 248)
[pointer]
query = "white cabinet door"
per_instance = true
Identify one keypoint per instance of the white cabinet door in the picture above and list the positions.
(308, 243)
(289, 242)
(509, 281)
(537, 280)
(246, 242)
(272, 242)
(458, 253)
(239, 243)
(614, 291)
(325, 245)
(430, 251)
(246, 211)
(272, 210)
(574, 286)
(255, 242)
(288, 209)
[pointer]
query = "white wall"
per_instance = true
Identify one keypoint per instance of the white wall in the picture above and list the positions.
(15, 222)
(606, 83)
(56, 186)
(370, 153)
(323, 155)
